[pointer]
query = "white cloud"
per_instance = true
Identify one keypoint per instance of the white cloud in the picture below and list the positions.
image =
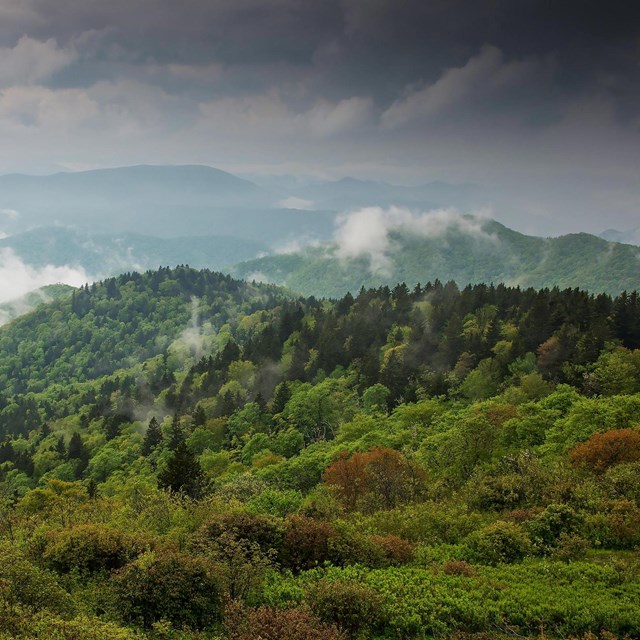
(18, 278)
(12, 214)
(292, 202)
(366, 232)
(328, 119)
(32, 61)
(296, 244)
(257, 276)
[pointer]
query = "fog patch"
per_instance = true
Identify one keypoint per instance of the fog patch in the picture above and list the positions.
(367, 232)
(295, 245)
(195, 336)
(24, 304)
(292, 202)
(18, 278)
(258, 276)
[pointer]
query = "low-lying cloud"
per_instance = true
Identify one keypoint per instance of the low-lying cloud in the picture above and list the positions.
(294, 202)
(18, 278)
(367, 232)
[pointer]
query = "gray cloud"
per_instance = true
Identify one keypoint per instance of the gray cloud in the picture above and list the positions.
(539, 101)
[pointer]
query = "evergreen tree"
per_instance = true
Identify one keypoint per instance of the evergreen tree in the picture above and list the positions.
(77, 452)
(183, 473)
(198, 417)
(152, 438)
(280, 398)
(60, 448)
(176, 435)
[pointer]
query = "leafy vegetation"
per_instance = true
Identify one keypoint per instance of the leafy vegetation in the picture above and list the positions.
(490, 252)
(228, 461)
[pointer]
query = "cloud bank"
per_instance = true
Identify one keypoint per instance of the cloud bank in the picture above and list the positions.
(367, 232)
(18, 278)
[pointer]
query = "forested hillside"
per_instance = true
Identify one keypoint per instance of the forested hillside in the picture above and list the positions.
(29, 301)
(466, 250)
(189, 456)
(112, 254)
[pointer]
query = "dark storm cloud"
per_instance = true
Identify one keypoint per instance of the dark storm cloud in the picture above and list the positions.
(496, 91)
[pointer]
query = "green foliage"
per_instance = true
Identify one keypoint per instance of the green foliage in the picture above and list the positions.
(90, 548)
(182, 473)
(170, 586)
(348, 605)
(499, 543)
(23, 584)
(276, 624)
(397, 463)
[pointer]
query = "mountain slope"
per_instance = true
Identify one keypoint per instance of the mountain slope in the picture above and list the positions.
(102, 255)
(121, 322)
(466, 250)
(157, 200)
(28, 302)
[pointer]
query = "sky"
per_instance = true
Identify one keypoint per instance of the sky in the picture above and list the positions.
(537, 102)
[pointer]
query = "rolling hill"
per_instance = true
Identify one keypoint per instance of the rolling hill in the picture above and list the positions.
(101, 255)
(467, 250)
(165, 201)
(14, 308)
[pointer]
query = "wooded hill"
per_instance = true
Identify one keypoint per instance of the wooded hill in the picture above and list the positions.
(189, 456)
(492, 253)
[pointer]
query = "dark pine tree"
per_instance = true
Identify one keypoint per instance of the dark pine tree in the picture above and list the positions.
(280, 398)
(176, 435)
(152, 438)
(183, 473)
(77, 452)
(198, 417)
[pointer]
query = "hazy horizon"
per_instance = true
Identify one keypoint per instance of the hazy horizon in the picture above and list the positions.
(537, 104)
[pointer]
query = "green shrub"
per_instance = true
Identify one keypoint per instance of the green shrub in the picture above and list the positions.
(351, 547)
(546, 528)
(615, 526)
(501, 542)
(167, 585)
(46, 627)
(570, 547)
(265, 531)
(349, 605)
(91, 548)
(267, 623)
(22, 583)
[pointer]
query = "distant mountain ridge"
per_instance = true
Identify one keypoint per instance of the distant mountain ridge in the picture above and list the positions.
(348, 193)
(103, 255)
(497, 254)
(631, 236)
(164, 201)
(175, 201)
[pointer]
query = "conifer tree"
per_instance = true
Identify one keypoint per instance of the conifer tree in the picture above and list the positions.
(280, 398)
(152, 438)
(77, 451)
(182, 473)
(176, 435)
(199, 417)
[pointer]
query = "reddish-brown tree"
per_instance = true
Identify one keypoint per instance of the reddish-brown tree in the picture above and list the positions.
(603, 450)
(379, 478)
